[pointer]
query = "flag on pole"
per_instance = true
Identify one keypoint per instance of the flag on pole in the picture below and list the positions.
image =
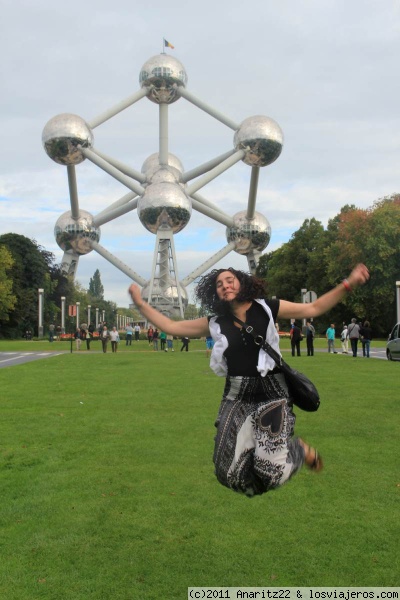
(168, 45)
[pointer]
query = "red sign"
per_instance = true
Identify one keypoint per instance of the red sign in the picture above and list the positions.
(72, 310)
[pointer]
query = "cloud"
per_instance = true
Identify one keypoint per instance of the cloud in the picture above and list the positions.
(324, 71)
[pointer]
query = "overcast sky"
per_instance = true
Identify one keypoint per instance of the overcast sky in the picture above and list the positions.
(326, 71)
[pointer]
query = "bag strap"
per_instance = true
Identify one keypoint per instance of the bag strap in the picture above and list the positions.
(259, 340)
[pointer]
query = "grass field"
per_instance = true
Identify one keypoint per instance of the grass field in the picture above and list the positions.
(108, 491)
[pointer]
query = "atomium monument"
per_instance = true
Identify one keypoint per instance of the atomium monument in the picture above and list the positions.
(162, 192)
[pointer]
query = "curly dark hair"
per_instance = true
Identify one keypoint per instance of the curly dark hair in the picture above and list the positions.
(206, 292)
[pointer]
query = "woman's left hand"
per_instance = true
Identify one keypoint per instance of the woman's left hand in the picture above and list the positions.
(135, 293)
(358, 276)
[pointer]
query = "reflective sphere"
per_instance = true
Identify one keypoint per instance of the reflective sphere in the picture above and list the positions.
(249, 234)
(262, 138)
(165, 174)
(171, 291)
(152, 165)
(61, 137)
(162, 72)
(164, 205)
(75, 234)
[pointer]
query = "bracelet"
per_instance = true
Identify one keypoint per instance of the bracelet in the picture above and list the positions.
(139, 306)
(347, 286)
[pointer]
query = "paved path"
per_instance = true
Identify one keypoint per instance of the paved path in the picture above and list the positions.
(373, 352)
(10, 359)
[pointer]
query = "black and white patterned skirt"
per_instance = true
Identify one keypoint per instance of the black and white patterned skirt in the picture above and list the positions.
(254, 447)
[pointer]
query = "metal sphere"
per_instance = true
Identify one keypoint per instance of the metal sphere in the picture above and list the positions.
(165, 174)
(171, 291)
(261, 138)
(249, 234)
(164, 206)
(61, 137)
(151, 167)
(160, 74)
(75, 234)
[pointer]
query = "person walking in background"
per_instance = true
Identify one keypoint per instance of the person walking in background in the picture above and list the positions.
(209, 345)
(330, 336)
(83, 334)
(105, 336)
(163, 340)
(155, 339)
(89, 336)
(310, 334)
(344, 339)
(295, 338)
(77, 337)
(137, 332)
(255, 448)
(366, 337)
(129, 334)
(114, 337)
(51, 332)
(150, 333)
(354, 335)
(170, 343)
(185, 344)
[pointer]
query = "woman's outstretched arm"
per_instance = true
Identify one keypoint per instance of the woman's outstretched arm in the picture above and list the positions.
(297, 310)
(192, 328)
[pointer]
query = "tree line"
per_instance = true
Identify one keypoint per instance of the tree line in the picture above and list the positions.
(317, 259)
(314, 258)
(25, 267)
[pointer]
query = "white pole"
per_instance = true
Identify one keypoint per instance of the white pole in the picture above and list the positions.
(78, 304)
(40, 319)
(163, 133)
(398, 300)
(62, 314)
(303, 299)
(73, 191)
(88, 313)
(97, 318)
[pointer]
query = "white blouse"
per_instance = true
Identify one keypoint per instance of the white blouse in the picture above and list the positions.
(218, 361)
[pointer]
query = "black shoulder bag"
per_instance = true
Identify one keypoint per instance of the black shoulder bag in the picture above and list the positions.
(302, 391)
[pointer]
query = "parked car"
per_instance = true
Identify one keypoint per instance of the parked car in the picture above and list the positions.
(393, 345)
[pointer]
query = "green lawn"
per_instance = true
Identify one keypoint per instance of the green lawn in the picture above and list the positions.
(108, 491)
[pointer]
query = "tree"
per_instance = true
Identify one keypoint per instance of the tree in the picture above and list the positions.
(297, 264)
(191, 312)
(371, 236)
(29, 271)
(317, 260)
(96, 288)
(7, 298)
